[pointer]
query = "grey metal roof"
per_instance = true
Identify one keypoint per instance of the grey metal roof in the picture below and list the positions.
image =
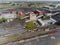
(56, 17)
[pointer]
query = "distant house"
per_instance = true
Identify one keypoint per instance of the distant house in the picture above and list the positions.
(8, 16)
(38, 12)
(57, 6)
(48, 7)
(14, 11)
(31, 16)
(44, 22)
(55, 9)
(56, 17)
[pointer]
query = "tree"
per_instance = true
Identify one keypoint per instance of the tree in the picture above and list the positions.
(13, 4)
(21, 21)
(16, 12)
(30, 25)
(30, 4)
(3, 20)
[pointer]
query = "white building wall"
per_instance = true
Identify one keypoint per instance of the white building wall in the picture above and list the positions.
(57, 5)
(8, 16)
(33, 17)
(53, 20)
(41, 22)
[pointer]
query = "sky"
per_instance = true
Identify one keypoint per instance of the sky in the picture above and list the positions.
(26, 0)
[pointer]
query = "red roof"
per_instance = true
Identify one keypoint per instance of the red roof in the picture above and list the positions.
(40, 13)
(13, 10)
(31, 12)
(21, 13)
(53, 32)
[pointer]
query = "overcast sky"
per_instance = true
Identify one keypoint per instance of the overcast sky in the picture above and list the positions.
(26, 0)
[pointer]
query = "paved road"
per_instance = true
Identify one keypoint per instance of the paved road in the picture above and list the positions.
(9, 31)
(5, 31)
(41, 41)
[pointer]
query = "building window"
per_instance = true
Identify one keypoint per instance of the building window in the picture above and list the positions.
(39, 23)
(50, 23)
